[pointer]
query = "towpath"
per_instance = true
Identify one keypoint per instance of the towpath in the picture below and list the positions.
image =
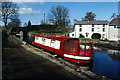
(19, 63)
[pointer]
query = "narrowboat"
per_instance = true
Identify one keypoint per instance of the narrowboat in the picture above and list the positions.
(70, 48)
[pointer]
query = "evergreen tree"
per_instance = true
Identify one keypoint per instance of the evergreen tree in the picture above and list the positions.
(29, 23)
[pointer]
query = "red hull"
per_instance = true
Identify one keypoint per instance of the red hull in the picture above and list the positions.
(66, 47)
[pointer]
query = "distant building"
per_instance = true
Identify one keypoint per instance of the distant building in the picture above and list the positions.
(114, 29)
(88, 28)
(107, 30)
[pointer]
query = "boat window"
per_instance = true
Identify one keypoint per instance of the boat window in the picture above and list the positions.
(82, 47)
(52, 43)
(37, 39)
(43, 40)
(88, 47)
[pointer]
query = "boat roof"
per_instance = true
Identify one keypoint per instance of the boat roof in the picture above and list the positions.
(55, 37)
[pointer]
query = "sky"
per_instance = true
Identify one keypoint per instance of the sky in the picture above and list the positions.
(62, 0)
(34, 11)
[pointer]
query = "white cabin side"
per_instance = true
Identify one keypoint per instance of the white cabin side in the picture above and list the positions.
(48, 42)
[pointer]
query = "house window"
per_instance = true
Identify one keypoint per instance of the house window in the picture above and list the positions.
(92, 25)
(92, 29)
(72, 34)
(115, 27)
(103, 36)
(103, 25)
(118, 26)
(80, 29)
(103, 29)
(86, 34)
(80, 25)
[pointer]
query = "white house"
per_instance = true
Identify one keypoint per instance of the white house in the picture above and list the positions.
(114, 29)
(88, 28)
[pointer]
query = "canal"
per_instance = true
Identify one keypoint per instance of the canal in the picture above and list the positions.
(105, 62)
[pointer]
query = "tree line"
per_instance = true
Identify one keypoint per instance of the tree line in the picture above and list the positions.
(58, 16)
(9, 11)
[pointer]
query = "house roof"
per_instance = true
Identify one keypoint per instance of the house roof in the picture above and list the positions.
(115, 21)
(92, 22)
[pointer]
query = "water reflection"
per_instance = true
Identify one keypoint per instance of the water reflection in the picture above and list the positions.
(106, 64)
(114, 54)
(21, 37)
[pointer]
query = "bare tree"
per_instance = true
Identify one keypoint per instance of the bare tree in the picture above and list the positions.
(59, 15)
(113, 16)
(89, 17)
(9, 10)
(25, 24)
(16, 22)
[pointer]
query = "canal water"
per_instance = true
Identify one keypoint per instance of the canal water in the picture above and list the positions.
(105, 62)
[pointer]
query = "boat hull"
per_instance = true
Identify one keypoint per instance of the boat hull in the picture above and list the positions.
(70, 52)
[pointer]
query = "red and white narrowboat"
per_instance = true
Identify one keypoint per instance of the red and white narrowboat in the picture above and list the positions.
(70, 48)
